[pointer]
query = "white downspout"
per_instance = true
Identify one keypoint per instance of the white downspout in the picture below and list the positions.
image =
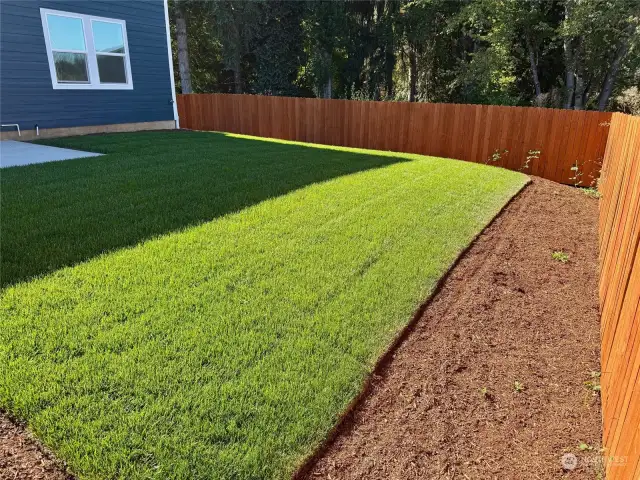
(173, 82)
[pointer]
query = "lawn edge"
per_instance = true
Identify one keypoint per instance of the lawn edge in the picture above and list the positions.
(347, 416)
(31, 438)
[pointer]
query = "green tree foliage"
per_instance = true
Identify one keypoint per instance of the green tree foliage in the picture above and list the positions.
(237, 23)
(556, 53)
(508, 37)
(279, 49)
(204, 49)
(430, 50)
(325, 27)
(599, 36)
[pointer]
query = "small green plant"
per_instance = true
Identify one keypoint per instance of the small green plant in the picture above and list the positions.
(591, 192)
(577, 175)
(497, 155)
(518, 386)
(596, 177)
(594, 383)
(578, 179)
(585, 447)
(560, 256)
(486, 394)
(531, 155)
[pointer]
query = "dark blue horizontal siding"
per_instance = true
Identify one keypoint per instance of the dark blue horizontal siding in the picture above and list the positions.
(26, 94)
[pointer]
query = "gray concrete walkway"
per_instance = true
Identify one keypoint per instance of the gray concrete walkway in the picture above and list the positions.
(14, 153)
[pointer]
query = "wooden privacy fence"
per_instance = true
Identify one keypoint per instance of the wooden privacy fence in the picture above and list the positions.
(619, 230)
(474, 133)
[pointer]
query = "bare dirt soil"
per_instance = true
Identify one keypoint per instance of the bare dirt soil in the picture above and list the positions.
(22, 457)
(447, 404)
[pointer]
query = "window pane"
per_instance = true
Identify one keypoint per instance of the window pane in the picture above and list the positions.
(108, 37)
(111, 69)
(65, 33)
(71, 67)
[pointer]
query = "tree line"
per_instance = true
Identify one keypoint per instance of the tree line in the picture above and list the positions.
(575, 54)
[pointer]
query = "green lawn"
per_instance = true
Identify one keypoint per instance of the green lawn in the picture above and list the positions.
(226, 296)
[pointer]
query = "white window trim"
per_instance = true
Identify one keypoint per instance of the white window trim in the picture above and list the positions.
(92, 59)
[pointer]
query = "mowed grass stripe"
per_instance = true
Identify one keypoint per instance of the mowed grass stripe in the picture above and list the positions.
(228, 349)
(149, 184)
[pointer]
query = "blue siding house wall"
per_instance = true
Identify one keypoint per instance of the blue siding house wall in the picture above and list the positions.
(27, 96)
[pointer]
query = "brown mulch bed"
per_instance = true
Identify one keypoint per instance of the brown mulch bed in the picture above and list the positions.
(507, 313)
(22, 457)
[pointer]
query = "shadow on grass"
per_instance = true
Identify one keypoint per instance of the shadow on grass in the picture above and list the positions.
(148, 184)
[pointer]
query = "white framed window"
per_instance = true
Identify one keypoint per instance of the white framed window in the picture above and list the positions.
(86, 52)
